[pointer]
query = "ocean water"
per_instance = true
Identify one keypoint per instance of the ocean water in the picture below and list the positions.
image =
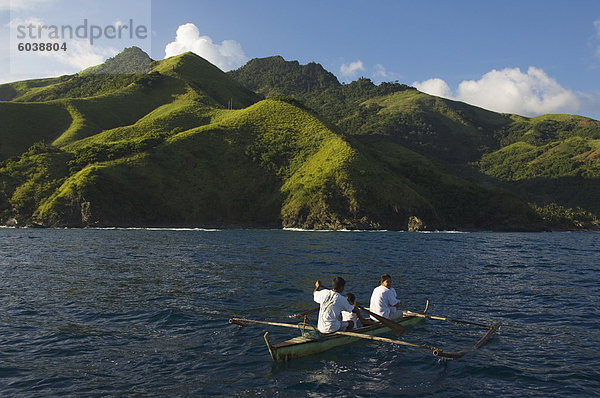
(145, 312)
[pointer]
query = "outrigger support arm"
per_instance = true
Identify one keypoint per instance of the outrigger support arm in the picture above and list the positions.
(457, 354)
(435, 351)
(439, 318)
(248, 322)
(305, 313)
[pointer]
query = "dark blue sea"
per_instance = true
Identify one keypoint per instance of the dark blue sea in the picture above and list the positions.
(145, 312)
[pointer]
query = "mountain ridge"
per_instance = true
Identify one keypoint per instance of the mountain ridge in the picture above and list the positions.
(273, 144)
(466, 139)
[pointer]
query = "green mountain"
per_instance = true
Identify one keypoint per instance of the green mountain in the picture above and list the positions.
(178, 142)
(551, 161)
(132, 60)
(284, 77)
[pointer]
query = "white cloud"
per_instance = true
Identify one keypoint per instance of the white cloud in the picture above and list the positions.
(510, 91)
(80, 55)
(434, 87)
(351, 69)
(227, 56)
(19, 5)
(380, 72)
(24, 22)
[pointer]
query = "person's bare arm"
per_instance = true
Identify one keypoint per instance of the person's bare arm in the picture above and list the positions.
(317, 286)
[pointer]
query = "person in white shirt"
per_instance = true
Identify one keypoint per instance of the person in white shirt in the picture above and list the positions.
(332, 303)
(355, 316)
(384, 301)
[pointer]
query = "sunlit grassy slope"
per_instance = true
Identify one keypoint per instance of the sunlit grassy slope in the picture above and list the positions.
(227, 172)
(550, 159)
(450, 130)
(68, 115)
(545, 160)
(271, 164)
(433, 126)
(185, 144)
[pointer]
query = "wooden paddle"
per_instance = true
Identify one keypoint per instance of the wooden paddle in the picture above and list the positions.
(439, 318)
(396, 327)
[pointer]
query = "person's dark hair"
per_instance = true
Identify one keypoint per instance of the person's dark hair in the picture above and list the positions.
(351, 298)
(338, 283)
(384, 277)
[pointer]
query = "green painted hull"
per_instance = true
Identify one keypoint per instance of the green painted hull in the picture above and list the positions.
(303, 346)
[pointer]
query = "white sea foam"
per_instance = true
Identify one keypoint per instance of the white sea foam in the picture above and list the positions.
(157, 229)
(336, 230)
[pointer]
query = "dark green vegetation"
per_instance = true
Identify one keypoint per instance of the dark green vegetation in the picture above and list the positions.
(133, 142)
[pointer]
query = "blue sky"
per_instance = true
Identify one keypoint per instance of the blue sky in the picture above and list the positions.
(527, 57)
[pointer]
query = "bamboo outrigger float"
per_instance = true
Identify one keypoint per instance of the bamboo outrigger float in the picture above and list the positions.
(312, 342)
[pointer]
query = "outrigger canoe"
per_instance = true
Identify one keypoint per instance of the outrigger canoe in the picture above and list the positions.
(302, 346)
(311, 342)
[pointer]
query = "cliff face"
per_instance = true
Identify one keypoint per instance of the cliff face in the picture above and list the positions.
(184, 144)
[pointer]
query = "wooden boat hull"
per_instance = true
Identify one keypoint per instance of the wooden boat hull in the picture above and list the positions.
(302, 346)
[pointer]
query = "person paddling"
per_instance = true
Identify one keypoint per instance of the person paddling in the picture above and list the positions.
(384, 301)
(332, 303)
